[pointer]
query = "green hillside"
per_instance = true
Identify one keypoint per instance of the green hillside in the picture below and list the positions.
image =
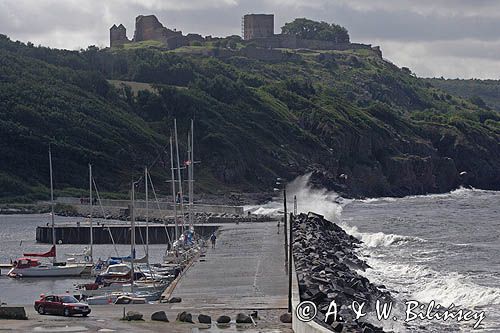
(485, 93)
(333, 113)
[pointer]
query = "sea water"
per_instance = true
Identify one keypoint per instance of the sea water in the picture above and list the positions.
(441, 247)
(18, 235)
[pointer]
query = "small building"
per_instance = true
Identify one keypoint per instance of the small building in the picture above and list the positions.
(258, 25)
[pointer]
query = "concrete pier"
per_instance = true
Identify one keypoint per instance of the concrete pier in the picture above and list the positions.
(80, 234)
(244, 272)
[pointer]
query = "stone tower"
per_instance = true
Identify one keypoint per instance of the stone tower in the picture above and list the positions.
(147, 27)
(258, 25)
(118, 35)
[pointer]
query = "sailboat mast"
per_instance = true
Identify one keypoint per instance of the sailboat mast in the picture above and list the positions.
(191, 181)
(189, 166)
(173, 187)
(146, 177)
(52, 204)
(179, 173)
(132, 237)
(90, 216)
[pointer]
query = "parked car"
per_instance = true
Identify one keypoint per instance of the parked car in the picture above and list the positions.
(65, 305)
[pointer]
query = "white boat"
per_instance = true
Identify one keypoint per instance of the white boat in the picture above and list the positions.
(126, 287)
(120, 298)
(27, 267)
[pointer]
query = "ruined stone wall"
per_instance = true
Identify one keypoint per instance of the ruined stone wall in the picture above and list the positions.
(118, 35)
(292, 42)
(149, 28)
(268, 54)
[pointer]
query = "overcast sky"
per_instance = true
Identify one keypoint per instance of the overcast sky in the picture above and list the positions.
(450, 38)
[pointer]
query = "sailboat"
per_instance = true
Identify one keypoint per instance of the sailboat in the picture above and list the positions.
(29, 267)
(122, 278)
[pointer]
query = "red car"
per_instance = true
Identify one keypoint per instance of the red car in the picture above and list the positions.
(65, 305)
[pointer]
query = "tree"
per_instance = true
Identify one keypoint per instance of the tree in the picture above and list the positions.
(308, 29)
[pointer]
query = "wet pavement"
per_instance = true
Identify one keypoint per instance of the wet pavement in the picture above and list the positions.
(246, 270)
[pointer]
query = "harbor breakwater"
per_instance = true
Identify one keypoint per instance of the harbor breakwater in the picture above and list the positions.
(326, 265)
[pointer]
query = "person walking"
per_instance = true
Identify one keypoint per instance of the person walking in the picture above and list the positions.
(213, 239)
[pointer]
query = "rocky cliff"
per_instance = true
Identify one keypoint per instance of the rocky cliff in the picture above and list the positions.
(363, 126)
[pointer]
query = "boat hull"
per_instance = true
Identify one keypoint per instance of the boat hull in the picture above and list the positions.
(47, 271)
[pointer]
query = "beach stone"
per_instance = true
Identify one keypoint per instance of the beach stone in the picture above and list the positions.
(159, 316)
(223, 320)
(286, 318)
(175, 300)
(204, 319)
(242, 318)
(185, 317)
(133, 316)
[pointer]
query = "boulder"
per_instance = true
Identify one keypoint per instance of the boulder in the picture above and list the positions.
(242, 318)
(133, 315)
(13, 312)
(223, 320)
(185, 317)
(286, 318)
(204, 319)
(159, 316)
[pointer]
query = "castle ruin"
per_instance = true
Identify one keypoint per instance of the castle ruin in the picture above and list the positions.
(257, 32)
(258, 26)
(148, 27)
(118, 35)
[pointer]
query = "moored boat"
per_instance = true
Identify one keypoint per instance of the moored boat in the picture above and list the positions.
(27, 267)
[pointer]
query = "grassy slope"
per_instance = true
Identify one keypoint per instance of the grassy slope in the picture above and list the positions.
(488, 90)
(347, 112)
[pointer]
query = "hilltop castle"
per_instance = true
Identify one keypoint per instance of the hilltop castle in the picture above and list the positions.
(257, 32)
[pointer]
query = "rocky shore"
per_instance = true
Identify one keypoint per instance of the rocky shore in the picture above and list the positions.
(326, 264)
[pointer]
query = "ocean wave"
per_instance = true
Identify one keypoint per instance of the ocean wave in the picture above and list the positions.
(424, 284)
(319, 201)
(379, 239)
(458, 290)
(460, 192)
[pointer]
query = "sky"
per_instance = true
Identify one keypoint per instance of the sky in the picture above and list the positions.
(434, 38)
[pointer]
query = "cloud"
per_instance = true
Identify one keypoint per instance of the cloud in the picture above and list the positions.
(456, 59)
(460, 8)
(176, 5)
(446, 37)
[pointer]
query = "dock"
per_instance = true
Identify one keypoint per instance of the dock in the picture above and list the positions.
(245, 271)
(117, 233)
